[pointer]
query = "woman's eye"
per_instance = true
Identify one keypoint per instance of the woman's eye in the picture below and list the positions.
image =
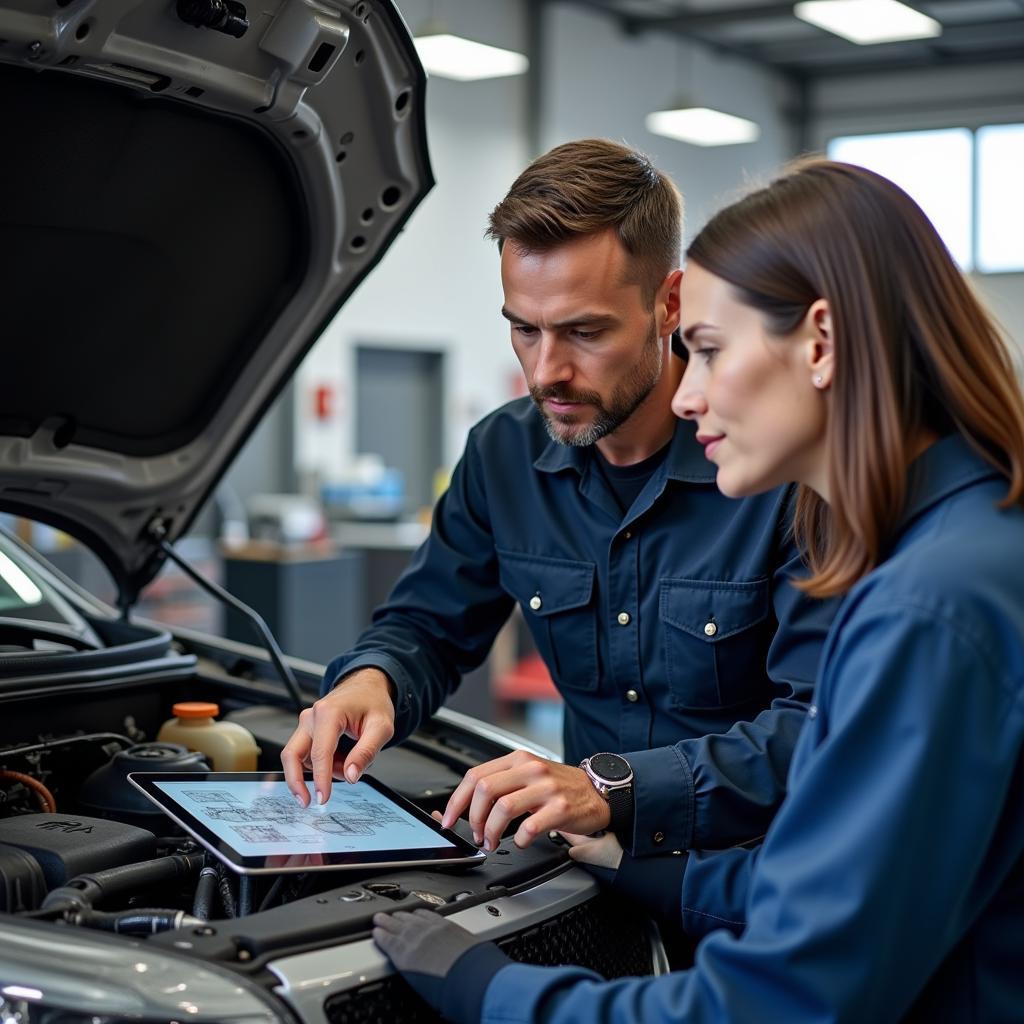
(706, 353)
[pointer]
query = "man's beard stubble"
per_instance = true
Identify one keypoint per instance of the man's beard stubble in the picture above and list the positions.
(628, 396)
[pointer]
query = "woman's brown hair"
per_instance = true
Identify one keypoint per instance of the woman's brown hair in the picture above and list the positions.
(915, 351)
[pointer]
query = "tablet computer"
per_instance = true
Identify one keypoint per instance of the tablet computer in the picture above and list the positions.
(254, 824)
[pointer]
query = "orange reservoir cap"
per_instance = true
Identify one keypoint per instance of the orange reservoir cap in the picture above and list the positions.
(195, 709)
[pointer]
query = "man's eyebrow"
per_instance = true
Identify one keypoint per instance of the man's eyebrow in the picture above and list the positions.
(579, 320)
(695, 328)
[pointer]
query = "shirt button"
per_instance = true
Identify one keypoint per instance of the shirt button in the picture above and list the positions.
(659, 837)
(628, 535)
(812, 711)
(632, 696)
(710, 629)
(535, 602)
(623, 618)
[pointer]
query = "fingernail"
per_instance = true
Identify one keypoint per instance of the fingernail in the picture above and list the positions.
(299, 800)
(476, 838)
(445, 823)
(487, 845)
(352, 773)
(320, 797)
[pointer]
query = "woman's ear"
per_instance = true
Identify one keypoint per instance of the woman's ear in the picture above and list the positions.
(820, 347)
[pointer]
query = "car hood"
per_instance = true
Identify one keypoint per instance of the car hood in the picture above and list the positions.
(190, 191)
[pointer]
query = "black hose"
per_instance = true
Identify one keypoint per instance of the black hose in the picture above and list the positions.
(134, 922)
(227, 896)
(206, 890)
(273, 892)
(83, 891)
(276, 655)
(244, 895)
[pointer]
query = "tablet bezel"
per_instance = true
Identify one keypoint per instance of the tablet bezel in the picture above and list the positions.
(460, 852)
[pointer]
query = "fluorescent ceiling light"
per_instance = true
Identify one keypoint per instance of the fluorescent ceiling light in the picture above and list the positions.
(702, 126)
(451, 56)
(868, 21)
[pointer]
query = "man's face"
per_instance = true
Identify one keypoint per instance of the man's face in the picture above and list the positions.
(587, 340)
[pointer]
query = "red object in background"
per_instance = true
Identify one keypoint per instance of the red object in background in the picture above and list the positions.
(528, 679)
(323, 402)
(517, 385)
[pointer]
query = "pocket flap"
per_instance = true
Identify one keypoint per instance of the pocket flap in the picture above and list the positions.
(544, 586)
(713, 611)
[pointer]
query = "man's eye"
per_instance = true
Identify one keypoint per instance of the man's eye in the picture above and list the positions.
(525, 330)
(587, 335)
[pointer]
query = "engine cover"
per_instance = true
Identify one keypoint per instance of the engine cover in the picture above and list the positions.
(68, 845)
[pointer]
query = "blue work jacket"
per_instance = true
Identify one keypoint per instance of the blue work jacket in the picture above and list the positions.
(672, 632)
(891, 884)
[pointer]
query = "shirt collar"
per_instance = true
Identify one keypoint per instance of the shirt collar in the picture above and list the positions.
(947, 466)
(685, 460)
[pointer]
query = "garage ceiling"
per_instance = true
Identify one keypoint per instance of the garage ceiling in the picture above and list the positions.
(765, 31)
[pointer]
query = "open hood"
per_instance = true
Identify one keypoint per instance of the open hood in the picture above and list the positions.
(189, 191)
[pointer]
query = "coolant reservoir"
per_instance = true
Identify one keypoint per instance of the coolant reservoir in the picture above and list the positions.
(230, 747)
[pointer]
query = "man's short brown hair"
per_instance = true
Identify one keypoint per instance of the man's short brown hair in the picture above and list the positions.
(592, 185)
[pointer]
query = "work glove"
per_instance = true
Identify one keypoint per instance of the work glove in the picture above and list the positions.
(446, 965)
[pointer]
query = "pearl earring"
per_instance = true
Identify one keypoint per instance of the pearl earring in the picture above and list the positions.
(819, 380)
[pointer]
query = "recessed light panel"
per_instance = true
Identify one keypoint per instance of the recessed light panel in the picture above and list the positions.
(866, 22)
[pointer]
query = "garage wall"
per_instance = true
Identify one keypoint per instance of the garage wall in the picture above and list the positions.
(589, 94)
(437, 288)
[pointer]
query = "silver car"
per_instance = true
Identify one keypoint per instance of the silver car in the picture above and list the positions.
(191, 190)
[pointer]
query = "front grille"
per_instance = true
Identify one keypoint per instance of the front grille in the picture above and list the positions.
(603, 935)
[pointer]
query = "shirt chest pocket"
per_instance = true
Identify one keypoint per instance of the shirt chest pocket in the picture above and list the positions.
(716, 638)
(557, 599)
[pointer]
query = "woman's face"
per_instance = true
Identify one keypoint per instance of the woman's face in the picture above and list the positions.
(759, 400)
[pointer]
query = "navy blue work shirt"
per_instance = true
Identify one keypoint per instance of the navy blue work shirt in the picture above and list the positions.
(890, 886)
(672, 631)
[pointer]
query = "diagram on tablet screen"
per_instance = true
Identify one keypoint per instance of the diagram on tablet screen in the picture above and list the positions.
(268, 817)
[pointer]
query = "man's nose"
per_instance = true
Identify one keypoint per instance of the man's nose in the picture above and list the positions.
(552, 366)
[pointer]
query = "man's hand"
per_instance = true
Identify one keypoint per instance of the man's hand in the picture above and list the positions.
(556, 796)
(363, 708)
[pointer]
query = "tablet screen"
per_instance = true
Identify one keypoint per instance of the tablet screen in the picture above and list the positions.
(253, 823)
(262, 818)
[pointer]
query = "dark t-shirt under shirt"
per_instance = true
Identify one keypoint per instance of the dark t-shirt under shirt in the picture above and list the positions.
(626, 482)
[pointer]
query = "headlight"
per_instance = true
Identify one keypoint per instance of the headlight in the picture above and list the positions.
(65, 976)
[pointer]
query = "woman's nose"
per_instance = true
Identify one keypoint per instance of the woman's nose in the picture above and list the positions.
(688, 402)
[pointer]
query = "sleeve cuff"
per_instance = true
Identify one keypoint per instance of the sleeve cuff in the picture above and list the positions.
(465, 986)
(663, 803)
(654, 882)
(393, 670)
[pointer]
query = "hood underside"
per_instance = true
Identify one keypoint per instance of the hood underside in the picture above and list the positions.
(182, 211)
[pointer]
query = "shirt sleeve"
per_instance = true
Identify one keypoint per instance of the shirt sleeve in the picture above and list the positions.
(883, 855)
(715, 791)
(445, 610)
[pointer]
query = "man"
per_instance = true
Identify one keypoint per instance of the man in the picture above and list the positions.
(663, 610)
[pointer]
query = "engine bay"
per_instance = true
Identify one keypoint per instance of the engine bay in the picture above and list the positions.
(81, 847)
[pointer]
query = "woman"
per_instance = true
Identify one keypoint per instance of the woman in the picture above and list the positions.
(834, 343)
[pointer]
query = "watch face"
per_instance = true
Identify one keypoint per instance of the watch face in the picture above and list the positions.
(610, 767)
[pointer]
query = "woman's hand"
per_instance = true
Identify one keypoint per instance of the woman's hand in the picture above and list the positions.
(603, 852)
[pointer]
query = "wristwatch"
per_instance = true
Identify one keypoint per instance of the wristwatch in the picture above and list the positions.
(613, 779)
